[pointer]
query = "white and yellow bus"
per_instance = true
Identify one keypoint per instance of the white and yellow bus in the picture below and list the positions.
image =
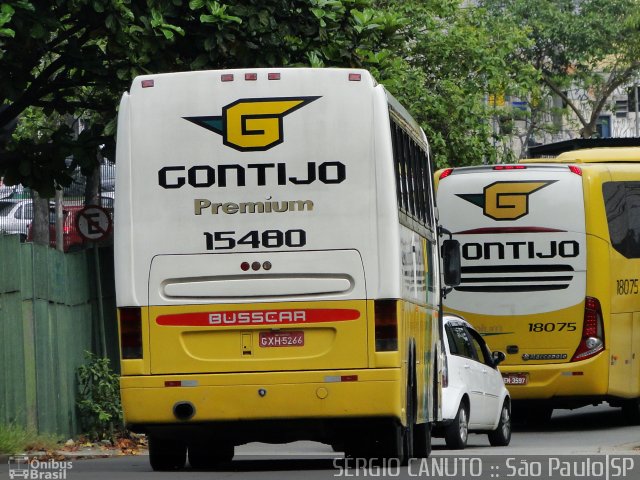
(551, 274)
(277, 265)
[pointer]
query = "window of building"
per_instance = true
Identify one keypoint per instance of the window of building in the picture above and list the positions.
(603, 126)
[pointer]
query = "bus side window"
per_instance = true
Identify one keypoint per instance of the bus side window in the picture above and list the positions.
(622, 204)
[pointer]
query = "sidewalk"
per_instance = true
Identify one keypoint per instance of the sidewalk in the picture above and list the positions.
(76, 452)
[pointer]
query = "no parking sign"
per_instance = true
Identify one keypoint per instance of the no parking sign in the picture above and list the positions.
(94, 223)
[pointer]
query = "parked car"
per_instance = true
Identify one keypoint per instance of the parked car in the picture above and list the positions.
(15, 217)
(14, 192)
(71, 239)
(474, 398)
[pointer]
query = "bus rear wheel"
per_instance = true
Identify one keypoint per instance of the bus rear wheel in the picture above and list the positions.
(422, 440)
(631, 411)
(203, 456)
(166, 454)
(385, 442)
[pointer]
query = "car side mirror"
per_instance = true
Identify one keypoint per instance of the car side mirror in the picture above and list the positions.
(498, 358)
(451, 262)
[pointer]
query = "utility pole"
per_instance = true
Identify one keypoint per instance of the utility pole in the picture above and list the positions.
(635, 97)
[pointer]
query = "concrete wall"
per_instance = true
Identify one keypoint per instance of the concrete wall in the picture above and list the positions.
(49, 317)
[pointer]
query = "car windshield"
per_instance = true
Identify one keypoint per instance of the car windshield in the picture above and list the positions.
(5, 208)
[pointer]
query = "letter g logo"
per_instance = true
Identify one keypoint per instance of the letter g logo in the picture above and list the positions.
(252, 124)
(506, 200)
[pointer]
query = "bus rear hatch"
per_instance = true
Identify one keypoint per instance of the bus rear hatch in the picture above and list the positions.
(252, 312)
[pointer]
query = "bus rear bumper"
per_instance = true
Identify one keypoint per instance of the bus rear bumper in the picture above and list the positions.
(153, 400)
(558, 382)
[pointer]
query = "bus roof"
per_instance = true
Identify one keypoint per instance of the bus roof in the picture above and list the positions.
(592, 155)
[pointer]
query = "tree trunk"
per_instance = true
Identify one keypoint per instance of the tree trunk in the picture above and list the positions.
(40, 220)
(92, 187)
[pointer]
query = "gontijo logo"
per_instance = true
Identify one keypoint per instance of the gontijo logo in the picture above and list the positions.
(506, 200)
(252, 124)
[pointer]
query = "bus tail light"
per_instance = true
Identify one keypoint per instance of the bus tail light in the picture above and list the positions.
(445, 173)
(592, 341)
(131, 332)
(576, 170)
(386, 325)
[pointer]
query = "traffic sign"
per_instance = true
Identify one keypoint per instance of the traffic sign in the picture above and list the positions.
(93, 223)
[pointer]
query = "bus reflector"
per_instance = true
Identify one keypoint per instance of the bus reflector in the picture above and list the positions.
(340, 378)
(592, 341)
(130, 332)
(273, 76)
(147, 83)
(251, 76)
(576, 170)
(445, 173)
(181, 383)
(226, 77)
(386, 325)
(355, 77)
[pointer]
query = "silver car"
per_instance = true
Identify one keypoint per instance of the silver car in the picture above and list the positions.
(15, 217)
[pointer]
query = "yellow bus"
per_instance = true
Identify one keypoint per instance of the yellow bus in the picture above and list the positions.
(551, 274)
(277, 265)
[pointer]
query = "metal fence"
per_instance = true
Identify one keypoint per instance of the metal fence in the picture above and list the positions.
(16, 207)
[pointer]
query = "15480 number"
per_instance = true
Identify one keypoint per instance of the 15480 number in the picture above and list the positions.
(255, 239)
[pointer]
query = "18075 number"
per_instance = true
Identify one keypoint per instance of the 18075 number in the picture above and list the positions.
(255, 239)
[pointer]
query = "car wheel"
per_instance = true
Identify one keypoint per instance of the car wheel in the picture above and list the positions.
(457, 433)
(203, 456)
(501, 436)
(166, 454)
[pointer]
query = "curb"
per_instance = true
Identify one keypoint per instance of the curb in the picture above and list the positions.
(77, 455)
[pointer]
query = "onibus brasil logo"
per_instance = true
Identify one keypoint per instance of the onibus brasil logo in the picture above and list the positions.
(252, 124)
(506, 200)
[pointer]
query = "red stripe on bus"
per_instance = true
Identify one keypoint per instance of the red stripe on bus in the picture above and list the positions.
(495, 230)
(258, 317)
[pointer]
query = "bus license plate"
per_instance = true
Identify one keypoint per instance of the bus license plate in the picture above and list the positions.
(515, 378)
(281, 339)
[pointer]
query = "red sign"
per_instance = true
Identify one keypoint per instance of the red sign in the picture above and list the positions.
(258, 317)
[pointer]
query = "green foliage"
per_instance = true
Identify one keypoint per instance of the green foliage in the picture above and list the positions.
(590, 45)
(451, 59)
(16, 439)
(76, 57)
(98, 398)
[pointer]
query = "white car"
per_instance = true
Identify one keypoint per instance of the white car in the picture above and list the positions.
(15, 217)
(474, 398)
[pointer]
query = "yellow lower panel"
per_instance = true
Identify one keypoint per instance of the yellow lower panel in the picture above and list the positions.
(585, 378)
(287, 395)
